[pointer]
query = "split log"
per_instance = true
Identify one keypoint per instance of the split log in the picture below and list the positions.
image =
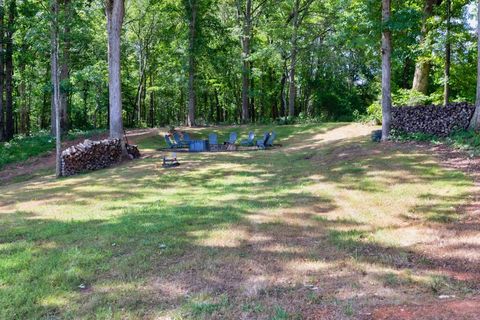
(94, 155)
(432, 119)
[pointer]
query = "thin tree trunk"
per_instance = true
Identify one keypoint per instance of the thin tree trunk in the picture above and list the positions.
(386, 70)
(152, 104)
(23, 100)
(218, 115)
(44, 111)
(448, 50)
(252, 97)
(293, 61)
(65, 70)
(9, 126)
(2, 72)
(283, 99)
(115, 10)
(56, 86)
(246, 37)
(475, 121)
(192, 97)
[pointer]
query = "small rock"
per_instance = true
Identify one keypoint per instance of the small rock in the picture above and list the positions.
(114, 244)
(445, 296)
(82, 286)
(163, 246)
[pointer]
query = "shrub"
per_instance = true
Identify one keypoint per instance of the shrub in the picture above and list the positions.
(405, 97)
(21, 148)
(374, 112)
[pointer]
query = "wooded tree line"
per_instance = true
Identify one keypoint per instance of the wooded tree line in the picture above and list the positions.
(225, 61)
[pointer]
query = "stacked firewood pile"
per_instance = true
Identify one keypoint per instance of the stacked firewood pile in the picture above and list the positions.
(93, 155)
(432, 119)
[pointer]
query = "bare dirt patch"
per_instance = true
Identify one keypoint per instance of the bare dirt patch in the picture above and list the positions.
(37, 166)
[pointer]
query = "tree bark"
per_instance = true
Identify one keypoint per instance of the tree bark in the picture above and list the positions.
(386, 70)
(283, 98)
(56, 86)
(24, 119)
(2, 72)
(192, 97)
(293, 61)
(475, 122)
(65, 70)
(448, 51)
(423, 65)
(115, 10)
(246, 37)
(9, 121)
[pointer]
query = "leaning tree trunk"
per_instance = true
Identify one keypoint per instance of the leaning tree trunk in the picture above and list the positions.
(386, 70)
(115, 10)
(475, 122)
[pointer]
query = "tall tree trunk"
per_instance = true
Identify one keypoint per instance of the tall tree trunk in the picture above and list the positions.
(64, 69)
(192, 97)
(217, 107)
(252, 96)
(2, 71)
(152, 104)
(283, 98)
(293, 60)
(475, 121)
(386, 70)
(56, 85)
(9, 126)
(448, 51)
(115, 10)
(423, 65)
(246, 37)
(23, 101)
(44, 111)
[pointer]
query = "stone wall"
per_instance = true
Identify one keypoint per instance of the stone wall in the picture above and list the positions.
(432, 119)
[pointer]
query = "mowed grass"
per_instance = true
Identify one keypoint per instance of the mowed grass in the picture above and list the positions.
(326, 220)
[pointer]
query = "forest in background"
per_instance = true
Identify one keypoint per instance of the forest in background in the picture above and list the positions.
(231, 61)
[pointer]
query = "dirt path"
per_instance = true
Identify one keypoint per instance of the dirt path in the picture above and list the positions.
(38, 166)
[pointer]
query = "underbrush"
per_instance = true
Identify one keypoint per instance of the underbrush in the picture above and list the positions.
(467, 140)
(22, 147)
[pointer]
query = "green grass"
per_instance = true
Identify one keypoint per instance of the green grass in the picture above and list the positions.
(225, 235)
(22, 148)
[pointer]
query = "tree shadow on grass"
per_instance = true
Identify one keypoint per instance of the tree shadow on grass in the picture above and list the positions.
(194, 256)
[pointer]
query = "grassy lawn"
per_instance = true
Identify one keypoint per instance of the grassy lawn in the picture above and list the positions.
(327, 222)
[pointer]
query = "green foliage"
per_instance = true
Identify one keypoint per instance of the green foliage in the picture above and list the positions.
(404, 97)
(21, 148)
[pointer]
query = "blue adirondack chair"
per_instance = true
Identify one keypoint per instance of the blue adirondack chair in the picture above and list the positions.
(186, 137)
(179, 142)
(262, 144)
(250, 140)
(232, 139)
(213, 139)
(270, 140)
(169, 142)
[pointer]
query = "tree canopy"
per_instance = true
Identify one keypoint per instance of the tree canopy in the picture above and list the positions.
(230, 61)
